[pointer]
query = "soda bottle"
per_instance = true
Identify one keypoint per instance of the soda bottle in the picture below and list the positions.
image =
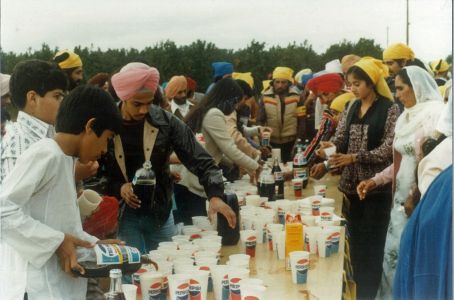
(144, 184)
(298, 145)
(115, 291)
(266, 183)
(230, 236)
(300, 169)
(278, 180)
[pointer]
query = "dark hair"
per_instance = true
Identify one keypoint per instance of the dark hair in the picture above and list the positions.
(35, 75)
(224, 95)
(416, 62)
(5, 116)
(247, 90)
(430, 144)
(360, 74)
(403, 74)
(159, 99)
(99, 79)
(84, 103)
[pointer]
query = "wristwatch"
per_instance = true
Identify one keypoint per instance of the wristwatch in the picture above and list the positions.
(326, 164)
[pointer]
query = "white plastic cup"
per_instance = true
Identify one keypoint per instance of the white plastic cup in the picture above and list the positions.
(178, 286)
(316, 202)
(273, 229)
(253, 200)
(280, 245)
(299, 263)
(329, 151)
(260, 230)
(310, 238)
(335, 233)
(249, 240)
(207, 264)
(320, 190)
(130, 291)
(151, 284)
(235, 276)
(256, 292)
(324, 242)
(326, 213)
(136, 276)
(238, 264)
(221, 282)
(198, 284)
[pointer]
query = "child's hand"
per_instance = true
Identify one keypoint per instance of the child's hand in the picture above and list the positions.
(66, 253)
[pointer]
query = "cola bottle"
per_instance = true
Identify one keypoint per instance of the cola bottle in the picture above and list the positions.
(144, 184)
(278, 180)
(266, 184)
(115, 291)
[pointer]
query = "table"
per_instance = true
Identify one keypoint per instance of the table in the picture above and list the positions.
(325, 274)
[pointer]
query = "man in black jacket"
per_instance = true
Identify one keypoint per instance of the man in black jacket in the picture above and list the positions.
(150, 133)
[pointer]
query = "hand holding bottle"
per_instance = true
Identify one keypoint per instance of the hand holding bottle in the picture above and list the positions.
(66, 253)
(128, 195)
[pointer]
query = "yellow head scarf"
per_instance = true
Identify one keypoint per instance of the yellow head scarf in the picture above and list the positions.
(266, 85)
(398, 51)
(245, 77)
(340, 101)
(283, 73)
(439, 66)
(377, 72)
(72, 61)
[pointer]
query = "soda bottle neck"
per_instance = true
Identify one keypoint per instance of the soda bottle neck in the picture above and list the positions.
(115, 281)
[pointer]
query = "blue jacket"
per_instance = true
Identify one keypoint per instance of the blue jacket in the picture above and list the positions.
(424, 270)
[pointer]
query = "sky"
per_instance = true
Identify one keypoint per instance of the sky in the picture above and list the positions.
(230, 24)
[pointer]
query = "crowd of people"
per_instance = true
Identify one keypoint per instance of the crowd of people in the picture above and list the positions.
(389, 120)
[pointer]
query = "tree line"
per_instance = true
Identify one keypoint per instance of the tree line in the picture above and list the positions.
(195, 59)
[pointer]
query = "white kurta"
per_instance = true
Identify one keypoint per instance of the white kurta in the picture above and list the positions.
(37, 206)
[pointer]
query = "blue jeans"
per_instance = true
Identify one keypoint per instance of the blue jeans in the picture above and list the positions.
(143, 232)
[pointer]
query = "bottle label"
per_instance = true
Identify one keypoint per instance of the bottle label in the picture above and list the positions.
(107, 254)
(278, 176)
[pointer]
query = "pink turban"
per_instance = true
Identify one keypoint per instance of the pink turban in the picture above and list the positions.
(176, 84)
(133, 77)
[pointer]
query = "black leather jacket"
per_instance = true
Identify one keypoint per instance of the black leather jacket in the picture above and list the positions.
(176, 136)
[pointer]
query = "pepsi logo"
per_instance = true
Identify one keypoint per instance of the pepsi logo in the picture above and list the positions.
(204, 268)
(196, 236)
(252, 239)
(183, 286)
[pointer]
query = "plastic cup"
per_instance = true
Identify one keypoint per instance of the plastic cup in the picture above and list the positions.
(316, 202)
(151, 285)
(329, 151)
(178, 286)
(308, 220)
(136, 276)
(310, 238)
(130, 291)
(280, 245)
(249, 239)
(298, 187)
(334, 236)
(324, 242)
(320, 190)
(266, 139)
(326, 213)
(198, 284)
(235, 276)
(249, 292)
(207, 264)
(253, 200)
(299, 263)
(221, 282)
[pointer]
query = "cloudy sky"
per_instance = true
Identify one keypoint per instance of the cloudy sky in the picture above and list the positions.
(229, 23)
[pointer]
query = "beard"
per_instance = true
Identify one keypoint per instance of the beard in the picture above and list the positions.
(180, 101)
(73, 84)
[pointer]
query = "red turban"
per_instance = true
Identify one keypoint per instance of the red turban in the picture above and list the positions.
(132, 78)
(326, 83)
(192, 84)
(104, 221)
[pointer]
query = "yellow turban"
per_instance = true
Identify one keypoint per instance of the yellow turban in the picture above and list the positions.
(347, 61)
(176, 84)
(340, 101)
(377, 72)
(439, 66)
(266, 84)
(67, 59)
(283, 73)
(245, 77)
(398, 51)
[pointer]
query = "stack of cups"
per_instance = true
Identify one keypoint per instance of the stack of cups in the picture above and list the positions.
(310, 238)
(151, 284)
(192, 231)
(235, 276)
(299, 263)
(249, 241)
(202, 222)
(136, 276)
(252, 289)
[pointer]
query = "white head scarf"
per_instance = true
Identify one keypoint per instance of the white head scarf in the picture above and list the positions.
(429, 104)
(445, 122)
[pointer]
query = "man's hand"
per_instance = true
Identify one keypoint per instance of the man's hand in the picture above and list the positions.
(339, 160)
(265, 152)
(364, 187)
(66, 253)
(219, 206)
(318, 171)
(128, 195)
(176, 177)
(84, 171)
(263, 129)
